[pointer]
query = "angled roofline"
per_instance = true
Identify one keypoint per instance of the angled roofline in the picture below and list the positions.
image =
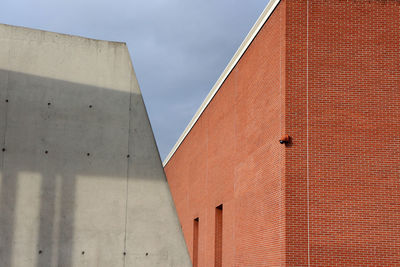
(235, 59)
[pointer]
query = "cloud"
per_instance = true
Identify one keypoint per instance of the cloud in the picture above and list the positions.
(178, 47)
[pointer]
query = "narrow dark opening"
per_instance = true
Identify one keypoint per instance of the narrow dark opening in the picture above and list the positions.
(196, 242)
(218, 236)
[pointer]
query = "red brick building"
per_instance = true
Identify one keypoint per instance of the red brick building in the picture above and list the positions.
(326, 73)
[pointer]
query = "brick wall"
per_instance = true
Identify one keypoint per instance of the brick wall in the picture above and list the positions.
(353, 127)
(232, 157)
(326, 72)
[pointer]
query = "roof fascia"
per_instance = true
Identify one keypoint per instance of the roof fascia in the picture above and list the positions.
(235, 59)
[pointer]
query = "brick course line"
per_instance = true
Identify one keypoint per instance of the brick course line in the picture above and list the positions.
(308, 159)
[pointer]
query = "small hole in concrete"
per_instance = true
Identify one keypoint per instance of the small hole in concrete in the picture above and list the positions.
(124, 253)
(3, 149)
(49, 104)
(128, 156)
(7, 100)
(46, 151)
(83, 252)
(147, 254)
(90, 106)
(88, 154)
(40, 252)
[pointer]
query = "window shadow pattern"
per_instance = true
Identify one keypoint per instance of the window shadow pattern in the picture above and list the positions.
(76, 160)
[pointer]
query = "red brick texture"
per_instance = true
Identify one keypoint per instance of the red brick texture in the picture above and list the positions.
(232, 157)
(195, 240)
(218, 236)
(326, 72)
(353, 89)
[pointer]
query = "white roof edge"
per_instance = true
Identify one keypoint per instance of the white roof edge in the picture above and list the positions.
(235, 59)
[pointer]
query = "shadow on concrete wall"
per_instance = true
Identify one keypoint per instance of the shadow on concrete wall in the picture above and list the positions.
(61, 131)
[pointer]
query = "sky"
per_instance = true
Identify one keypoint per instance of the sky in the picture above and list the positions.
(179, 48)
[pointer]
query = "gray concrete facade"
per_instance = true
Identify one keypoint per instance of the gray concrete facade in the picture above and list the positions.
(81, 181)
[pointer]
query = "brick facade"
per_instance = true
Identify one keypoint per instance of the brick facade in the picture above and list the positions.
(328, 74)
(353, 126)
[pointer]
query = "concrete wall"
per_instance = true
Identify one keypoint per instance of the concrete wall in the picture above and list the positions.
(81, 181)
(232, 157)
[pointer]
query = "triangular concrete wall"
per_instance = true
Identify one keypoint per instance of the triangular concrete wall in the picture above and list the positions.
(81, 181)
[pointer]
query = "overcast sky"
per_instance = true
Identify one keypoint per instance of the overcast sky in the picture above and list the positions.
(179, 48)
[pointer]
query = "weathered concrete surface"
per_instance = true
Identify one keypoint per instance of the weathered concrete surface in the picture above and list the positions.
(71, 112)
